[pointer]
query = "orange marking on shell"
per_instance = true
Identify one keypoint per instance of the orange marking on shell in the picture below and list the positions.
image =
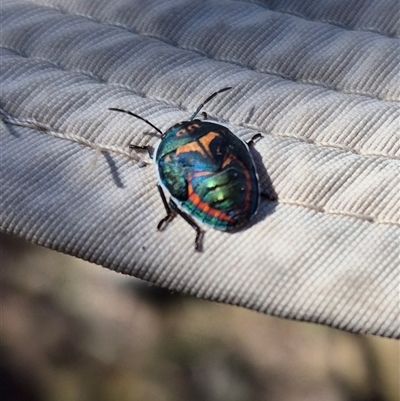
(228, 159)
(192, 127)
(189, 128)
(200, 174)
(200, 146)
(191, 147)
(206, 139)
(181, 132)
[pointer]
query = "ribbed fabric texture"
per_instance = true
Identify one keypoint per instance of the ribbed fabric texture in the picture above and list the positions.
(319, 80)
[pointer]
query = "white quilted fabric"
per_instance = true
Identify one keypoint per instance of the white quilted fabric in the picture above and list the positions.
(319, 80)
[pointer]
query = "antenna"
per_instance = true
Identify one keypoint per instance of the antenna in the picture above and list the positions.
(207, 100)
(140, 118)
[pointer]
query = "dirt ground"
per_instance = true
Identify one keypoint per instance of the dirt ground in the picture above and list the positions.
(73, 331)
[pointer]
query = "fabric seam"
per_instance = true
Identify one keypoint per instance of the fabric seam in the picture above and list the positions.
(201, 53)
(242, 124)
(97, 146)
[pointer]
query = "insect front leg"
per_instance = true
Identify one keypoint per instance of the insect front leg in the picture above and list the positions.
(170, 212)
(254, 139)
(193, 224)
(149, 149)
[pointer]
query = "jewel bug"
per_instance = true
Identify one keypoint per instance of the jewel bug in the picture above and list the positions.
(207, 171)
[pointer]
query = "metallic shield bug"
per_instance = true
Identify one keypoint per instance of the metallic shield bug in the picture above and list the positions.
(208, 172)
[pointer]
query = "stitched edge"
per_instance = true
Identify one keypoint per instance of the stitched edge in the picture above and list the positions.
(38, 126)
(143, 95)
(32, 124)
(201, 53)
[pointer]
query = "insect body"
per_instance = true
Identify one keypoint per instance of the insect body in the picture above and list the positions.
(208, 172)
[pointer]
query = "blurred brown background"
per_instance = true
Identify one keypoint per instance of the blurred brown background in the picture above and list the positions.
(73, 331)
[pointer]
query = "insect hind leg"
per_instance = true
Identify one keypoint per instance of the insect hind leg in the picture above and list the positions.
(170, 212)
(192, 223)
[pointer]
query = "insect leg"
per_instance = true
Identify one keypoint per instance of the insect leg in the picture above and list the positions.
(193, 224)
(170, 212)
(269, 196)
(149, 149)
(254, 139)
